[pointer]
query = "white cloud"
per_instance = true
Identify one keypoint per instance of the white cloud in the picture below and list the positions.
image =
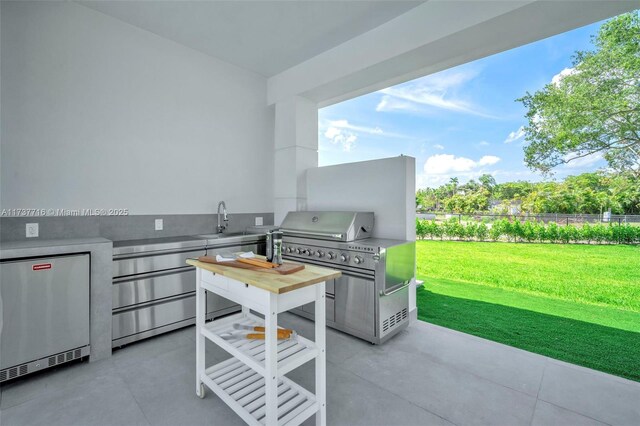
(332, 128)
(332, 132)
(439, 168)
(515, 135)
(441, 164)
(488, 160)
(344, 124)
(484, 143)
(435, 91)
(556, 79)
(342, 137)
(438, 146)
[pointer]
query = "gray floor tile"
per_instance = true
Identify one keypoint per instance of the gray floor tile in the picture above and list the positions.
(600, 396)
(354, 401)
(511, 367)
(456, 395)
(106, 400)
(149, 348)
(423, 376)
(547, 414)
(165, 391)
(52, 380)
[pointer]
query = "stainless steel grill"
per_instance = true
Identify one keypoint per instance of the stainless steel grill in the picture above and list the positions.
(371, 298)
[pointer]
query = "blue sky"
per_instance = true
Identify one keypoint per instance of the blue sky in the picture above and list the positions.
(461, 122)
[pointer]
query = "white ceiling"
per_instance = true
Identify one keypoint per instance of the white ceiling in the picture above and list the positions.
(266, 37)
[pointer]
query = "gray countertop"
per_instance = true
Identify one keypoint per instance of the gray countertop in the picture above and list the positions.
(10, 249)
(38, 247)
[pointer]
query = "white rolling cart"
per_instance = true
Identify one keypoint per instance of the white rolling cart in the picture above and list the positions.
(252, 381)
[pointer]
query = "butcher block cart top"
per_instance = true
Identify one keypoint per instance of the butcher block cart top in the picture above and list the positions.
(252, 381)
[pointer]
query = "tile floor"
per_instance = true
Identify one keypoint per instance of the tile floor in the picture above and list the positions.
(427, 375)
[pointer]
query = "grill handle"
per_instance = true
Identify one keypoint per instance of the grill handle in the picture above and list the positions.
(297, 232)
(395, 289)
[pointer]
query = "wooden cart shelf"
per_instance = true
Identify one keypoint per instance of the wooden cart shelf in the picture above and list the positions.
(292, 353)
(243, 389)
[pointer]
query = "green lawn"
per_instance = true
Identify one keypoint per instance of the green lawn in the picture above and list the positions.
(577, 303)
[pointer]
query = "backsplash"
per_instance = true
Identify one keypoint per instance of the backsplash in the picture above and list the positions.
(118, 228)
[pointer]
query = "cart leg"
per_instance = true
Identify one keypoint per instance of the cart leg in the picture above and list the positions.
(271, 361)
(321, 360)
(201, 309)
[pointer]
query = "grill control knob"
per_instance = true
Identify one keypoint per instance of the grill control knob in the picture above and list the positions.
(358, 259)
(299, 251)
(331, 255)
(319, 253)
(309, 252)
(289, 249)
(344, 257)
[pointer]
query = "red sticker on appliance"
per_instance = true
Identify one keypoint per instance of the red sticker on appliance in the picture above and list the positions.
(41, 266)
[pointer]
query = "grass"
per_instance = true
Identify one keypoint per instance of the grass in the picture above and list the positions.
(534, 297)
(601, 275)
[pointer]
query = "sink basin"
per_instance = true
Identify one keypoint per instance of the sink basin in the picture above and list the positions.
(218, 236)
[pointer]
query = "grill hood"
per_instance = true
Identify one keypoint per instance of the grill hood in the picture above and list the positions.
(327, 225)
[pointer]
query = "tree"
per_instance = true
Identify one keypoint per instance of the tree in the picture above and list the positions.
(454, 185)
(594, 108)
(488, 182)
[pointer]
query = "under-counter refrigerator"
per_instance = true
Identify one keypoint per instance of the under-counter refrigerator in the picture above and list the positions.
(44, 313)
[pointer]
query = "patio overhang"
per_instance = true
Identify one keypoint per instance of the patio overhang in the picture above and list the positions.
(431, 37)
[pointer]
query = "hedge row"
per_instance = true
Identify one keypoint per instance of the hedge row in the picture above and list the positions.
(529, 231)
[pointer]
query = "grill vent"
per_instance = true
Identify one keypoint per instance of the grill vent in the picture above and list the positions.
(21, 370)
(394, 320)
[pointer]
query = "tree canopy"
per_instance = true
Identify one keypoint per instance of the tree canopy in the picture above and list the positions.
(592, 108)
(586, 193)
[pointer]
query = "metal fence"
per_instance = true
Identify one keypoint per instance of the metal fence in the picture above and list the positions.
(559, 218)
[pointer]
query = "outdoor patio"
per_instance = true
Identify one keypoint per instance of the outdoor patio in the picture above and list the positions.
(426, 375)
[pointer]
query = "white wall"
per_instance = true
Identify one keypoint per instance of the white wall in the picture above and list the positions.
(100, 114)
(385, 187)
(296, 150)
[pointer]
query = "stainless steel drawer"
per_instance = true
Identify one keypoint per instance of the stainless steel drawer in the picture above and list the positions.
(330, 308)
(138, 320)
(151, 287)
(145, 264)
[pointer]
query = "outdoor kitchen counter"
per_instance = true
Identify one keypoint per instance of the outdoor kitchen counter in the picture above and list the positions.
(273, 282)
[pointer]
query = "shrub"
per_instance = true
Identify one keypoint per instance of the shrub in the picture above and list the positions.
(553, 232)
(564, 234)
(482, 231)
(587, 233)
(421, 228)
(540, 231)
(437, 230)
(470, 230)
(529, 231)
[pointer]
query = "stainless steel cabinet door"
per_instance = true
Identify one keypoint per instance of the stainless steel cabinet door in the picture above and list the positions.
(355, 303)
(146, 288)
(129, 322)
(45, 307)
(140, 265)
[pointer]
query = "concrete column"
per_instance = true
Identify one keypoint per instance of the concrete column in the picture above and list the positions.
(296, 150)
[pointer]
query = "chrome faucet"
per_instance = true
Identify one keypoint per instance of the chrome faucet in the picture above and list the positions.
(220, 227)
